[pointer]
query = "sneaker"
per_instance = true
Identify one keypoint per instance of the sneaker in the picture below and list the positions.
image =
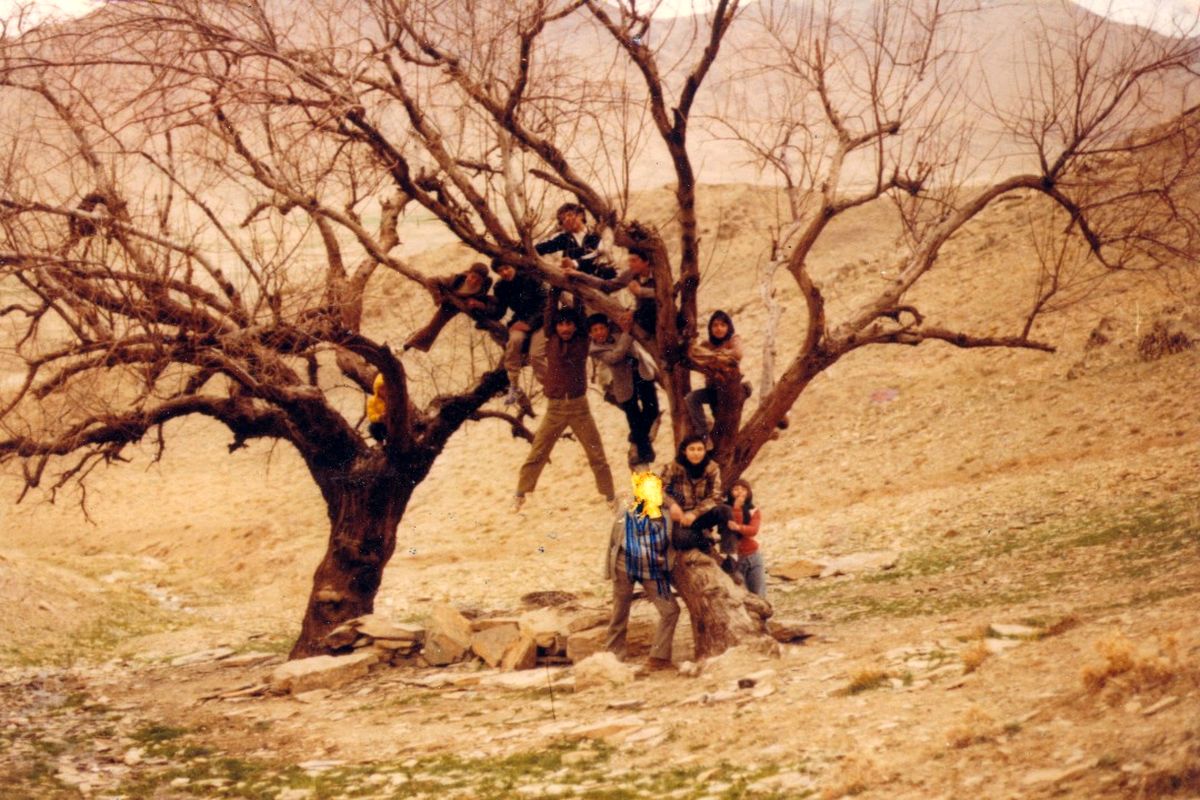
(518, 501)
(514, 396)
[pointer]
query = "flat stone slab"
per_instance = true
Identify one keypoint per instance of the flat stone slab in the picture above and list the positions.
(321, 672)
(856, 563)
(201, 656)
(798, 570)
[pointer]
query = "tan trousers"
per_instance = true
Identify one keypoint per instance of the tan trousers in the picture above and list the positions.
(666, 605)
(559, 415)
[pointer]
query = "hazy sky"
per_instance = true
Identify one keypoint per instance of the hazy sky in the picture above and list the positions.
(1163, 15)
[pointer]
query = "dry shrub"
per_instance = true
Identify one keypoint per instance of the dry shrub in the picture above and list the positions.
(1133, 668)
(973, 729)
(974, 656)
(1064, 624)
(856, 774)
(1163, 341)
(864, 681)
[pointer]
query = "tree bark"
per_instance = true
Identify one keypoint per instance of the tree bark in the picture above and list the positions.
(723, 614)
(365, 506)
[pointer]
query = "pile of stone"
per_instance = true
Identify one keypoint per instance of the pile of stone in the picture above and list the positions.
(392, 642)
(554, 636)
(543, 636)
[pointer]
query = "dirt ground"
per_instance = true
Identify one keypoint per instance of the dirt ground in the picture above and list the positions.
(1037, 637)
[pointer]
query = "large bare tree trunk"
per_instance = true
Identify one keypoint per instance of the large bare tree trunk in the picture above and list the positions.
(365, 506)
(723, 614)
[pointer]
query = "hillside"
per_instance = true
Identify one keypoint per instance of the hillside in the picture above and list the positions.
(1055, 491)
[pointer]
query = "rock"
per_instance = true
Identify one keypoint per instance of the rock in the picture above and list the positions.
(869, 561)
(998, 646)
(592, 618)
(625, 705)
(607, 727)
(643, 621)
(1166, 702)
(787, 630)
(492, 622)
(1004, 631)
(690, 669)
(556, 677)
(1037, 776)
(602, 669)
(582, 644)
(797, 570)
(545, 626)
(648, 736)
(342, 636)
(377, 627)
(294, 794)
(448, 637)
(253, 658)
(491, 643)
(321, 672)
(199, 657)
(312, 696)
(133, 756)
(521, 654)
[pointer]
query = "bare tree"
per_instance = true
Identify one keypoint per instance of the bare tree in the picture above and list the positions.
(198, 238)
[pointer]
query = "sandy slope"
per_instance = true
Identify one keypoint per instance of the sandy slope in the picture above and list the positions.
(988, 470)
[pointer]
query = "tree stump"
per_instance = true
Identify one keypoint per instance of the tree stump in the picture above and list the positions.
(723, 614)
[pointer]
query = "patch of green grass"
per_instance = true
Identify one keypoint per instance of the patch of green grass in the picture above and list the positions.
(155, 734)
(496, 778)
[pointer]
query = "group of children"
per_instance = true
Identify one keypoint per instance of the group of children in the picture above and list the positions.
(558, 342)
(644, 541)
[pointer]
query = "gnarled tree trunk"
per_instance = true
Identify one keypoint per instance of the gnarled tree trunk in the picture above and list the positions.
(723, 614)
(365, 505)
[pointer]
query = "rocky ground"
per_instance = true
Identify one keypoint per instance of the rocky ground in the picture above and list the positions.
(1035, 637)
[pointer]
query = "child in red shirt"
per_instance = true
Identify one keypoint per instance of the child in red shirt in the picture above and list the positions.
(745, 521)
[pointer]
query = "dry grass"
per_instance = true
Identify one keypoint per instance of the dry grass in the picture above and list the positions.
(974, 656)
(864, 681)
(975, 727)
(1130, 668)
(856, 774)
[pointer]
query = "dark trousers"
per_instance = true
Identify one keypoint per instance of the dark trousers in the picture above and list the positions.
(693, 536)
(640, 412)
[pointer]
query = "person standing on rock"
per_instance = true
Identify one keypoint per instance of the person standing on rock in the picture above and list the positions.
(565, 388)
(745, 518)
(639, 551)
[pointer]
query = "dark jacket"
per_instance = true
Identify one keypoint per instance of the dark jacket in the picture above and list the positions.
(566, 361)
(525, 296)
(566, 366)
(585, 256)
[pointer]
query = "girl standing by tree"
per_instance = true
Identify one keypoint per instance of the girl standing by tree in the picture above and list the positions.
(745, 519)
